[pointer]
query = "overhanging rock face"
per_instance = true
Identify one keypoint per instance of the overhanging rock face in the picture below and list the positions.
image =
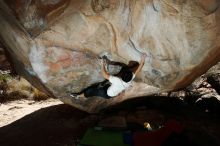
(55, 43)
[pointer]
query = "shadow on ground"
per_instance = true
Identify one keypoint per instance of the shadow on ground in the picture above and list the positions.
(63, 125)
(55, 125)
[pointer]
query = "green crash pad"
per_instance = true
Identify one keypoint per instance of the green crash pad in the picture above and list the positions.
(102, 138)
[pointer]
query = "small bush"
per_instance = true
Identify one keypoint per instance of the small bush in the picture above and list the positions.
(13, 88)
(5, 77)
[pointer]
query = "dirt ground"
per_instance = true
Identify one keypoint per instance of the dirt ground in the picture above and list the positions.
(14, 110)
(39, 123)
(49, 122)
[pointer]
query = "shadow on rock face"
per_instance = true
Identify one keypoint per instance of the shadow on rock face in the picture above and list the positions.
(152, 102)
(209, 104)
(214, 80)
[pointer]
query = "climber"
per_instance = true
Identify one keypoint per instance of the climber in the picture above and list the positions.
(114, 84)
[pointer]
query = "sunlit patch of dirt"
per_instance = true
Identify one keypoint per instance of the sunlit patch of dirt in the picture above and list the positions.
(14, 110)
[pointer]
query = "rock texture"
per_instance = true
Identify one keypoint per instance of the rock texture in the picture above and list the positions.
(4, 64)
(203, 92)
(55, 43)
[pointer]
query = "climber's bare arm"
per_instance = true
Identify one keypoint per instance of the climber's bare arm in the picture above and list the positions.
(141, 64)
(113, 62)
(104, 72)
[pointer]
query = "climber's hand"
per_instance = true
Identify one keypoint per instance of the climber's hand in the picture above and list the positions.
(143, 56)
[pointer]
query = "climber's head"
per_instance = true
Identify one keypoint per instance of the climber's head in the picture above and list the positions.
(126, 74)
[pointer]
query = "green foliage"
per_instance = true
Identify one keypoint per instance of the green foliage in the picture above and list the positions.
(12, 88)
(5, 77)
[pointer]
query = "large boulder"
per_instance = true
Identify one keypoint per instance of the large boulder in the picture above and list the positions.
(55, 44)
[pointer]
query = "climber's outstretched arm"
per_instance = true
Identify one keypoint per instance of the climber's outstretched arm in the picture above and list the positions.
(113, 62)
(104, 72)
(141, 63)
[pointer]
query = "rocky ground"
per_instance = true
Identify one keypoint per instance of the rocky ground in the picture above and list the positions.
(203, 92)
